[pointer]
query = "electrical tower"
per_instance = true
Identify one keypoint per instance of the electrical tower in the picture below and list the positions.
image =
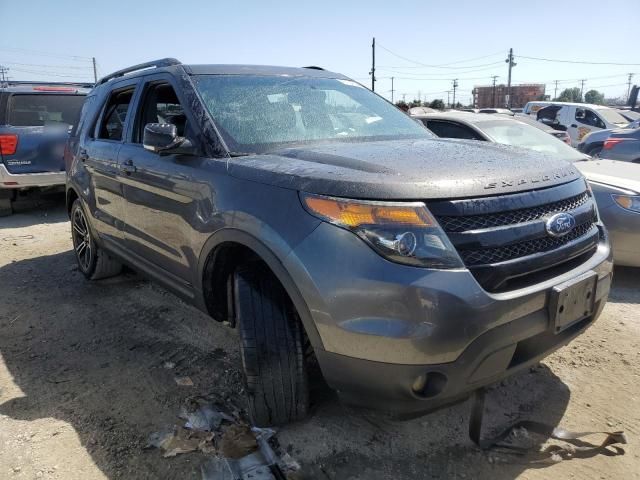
(455, 85)
(493, 93)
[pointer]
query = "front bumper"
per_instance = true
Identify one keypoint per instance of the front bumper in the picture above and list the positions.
(26, 180)
(384, 325)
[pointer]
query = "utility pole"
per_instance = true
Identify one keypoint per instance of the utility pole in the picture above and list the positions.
(555, 91)
(419, 95)
(493, 95)
(629, 87)
(404, 97)
(455, 85)
(3, 75)
(95, 72)
(373, 65)
(512, 64)
(582, 89)
(392, 90)
(448, 99)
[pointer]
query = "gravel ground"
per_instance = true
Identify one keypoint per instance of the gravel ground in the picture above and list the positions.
(84, 381)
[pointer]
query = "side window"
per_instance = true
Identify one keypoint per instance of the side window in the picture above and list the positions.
(589, 117)
(160, 105)
(114, 117)
(452, 130)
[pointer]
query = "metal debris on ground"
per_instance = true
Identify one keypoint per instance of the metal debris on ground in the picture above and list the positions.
(241, 452)
(184, 381)
(181, 440)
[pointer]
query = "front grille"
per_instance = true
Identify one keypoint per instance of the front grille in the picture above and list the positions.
(505, 237)
(509, 252)
(475, 222)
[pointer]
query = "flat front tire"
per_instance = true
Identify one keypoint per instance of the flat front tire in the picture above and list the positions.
(93, 262)
(272, 348)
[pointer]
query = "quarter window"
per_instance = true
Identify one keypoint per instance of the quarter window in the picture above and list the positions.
(115, 114)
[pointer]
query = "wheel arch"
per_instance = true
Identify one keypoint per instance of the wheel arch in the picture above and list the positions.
(214, 269)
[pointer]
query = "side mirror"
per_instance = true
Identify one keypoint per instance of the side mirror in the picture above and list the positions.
(161, 137)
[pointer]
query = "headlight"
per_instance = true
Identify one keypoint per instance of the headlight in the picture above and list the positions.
(629, 202)
(403, 232)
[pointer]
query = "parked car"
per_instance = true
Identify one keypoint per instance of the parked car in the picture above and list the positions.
(35, 120)
(616, 186)
(614, 183)
(559, 134)
(579, 119)
(319, 220)
(622, 145)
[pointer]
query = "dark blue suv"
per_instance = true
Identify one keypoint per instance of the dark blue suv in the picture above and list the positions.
(35, 121)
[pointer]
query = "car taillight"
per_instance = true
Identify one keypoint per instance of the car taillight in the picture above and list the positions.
(8, 144)
(612, 142)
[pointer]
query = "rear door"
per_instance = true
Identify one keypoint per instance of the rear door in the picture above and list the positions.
(164, 194)
(40, 121)
(98, 151)
(582, 122)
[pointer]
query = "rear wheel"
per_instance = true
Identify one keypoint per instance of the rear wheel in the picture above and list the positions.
(272, 344)
(93, 261)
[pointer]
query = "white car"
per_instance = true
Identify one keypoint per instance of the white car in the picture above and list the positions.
(577, 119)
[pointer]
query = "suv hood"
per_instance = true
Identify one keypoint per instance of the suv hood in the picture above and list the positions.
(406, 169)
(624, 175)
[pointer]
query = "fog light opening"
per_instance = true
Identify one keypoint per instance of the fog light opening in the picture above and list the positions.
(429, 385)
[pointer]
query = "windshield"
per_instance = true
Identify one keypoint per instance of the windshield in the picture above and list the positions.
(518, 134)
(37, 110)
(612, 116)
(260, 113)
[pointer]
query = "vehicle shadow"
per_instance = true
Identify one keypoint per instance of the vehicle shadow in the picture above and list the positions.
(626, 285)
(95, 355)
(36, 208)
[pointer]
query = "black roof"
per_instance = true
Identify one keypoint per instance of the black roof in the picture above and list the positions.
(173, 65)
(260, 70)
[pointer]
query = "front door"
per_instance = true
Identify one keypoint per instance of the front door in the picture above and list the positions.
(162, 192)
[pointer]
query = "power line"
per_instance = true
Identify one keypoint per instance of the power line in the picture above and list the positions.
(51, 74)
(443, 74)
(444, 65)
(45, 54)
(577, 61)
(72, 67)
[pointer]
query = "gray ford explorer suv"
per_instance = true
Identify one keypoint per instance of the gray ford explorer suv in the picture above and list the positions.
(327, 226)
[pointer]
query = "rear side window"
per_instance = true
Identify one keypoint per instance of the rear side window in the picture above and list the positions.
(115, 114)
(37, 110)
(452, 130)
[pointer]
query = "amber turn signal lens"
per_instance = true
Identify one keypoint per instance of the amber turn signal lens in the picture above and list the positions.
(353, 213)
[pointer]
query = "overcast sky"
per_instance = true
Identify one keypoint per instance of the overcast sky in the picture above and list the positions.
(466, 40)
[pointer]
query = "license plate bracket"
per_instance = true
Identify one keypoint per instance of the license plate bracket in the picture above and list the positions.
(572, 301)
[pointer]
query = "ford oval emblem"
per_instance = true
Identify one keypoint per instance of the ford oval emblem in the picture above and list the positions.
(560, 224)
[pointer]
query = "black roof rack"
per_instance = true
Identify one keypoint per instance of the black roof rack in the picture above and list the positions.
(163, 62)
(42, 82)
(315, 67)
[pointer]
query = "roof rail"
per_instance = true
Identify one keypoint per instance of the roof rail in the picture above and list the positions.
(163, 62)
(314, 67)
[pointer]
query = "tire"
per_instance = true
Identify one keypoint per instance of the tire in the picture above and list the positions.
(272, 345)
(93, 261)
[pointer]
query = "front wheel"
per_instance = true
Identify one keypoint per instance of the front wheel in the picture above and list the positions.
(272, 345)
(94, 262)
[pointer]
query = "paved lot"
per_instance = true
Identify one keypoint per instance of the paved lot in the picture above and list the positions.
(83, 381)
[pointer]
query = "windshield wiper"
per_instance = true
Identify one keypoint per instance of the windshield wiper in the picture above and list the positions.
(239, 154)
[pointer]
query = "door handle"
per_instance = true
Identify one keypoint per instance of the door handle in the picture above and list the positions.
(83, 155)
(128, 167)
(573, 125)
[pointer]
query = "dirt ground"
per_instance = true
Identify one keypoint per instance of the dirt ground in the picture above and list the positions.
(84, 381)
